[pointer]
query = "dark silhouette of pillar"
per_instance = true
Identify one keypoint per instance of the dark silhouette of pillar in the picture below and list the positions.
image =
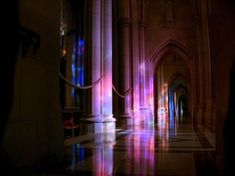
(9, 50)
(229, 128)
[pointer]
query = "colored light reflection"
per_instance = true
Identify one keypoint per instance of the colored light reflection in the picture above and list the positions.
(171, 109)
(136, 104)
(78, 155)
(137, 158)
(163, 107)
(140, 147)
(77, 66)
(150, 102)
(103, 159)
(107, 107)
(73, 70)
(163, 118)
(146, 116)
(80, 62)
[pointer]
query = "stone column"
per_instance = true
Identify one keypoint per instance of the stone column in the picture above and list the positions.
(150, 92)
(142, 69)
(125, 113)
(201, 81)
(159, 104)
(135, 61)
(193, 91)
(107, 99)
(99, 118)
(162, 94)
(93, 120)
(207, 63)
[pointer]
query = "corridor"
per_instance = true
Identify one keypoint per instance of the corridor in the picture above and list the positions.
(102, 66)
(179, 151)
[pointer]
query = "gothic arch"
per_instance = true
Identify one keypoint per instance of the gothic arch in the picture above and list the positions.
(178, 76)
(170, 46)
(178, 82)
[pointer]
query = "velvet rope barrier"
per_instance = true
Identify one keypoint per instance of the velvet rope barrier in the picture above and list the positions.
(80, 87)
(120, 95)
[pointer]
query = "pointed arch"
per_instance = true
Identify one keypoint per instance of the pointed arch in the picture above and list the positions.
(178, 76)
(178, 82)
(170, 46)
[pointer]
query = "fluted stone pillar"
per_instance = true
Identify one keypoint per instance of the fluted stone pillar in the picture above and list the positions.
(194, 91)
(93, 122)
(99, 118)
(142, 68)
(201, 106)
(159, 104)
(136, 89)
(144, 88)
(125, 113)
(107, 99)
(162, 98)
(150, 92)
(207, 64)
(94, 119)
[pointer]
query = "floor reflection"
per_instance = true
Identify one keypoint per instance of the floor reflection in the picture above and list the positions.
(92, 158)
(140, 155)
(162, 150)
(77, 154)
(103, 160)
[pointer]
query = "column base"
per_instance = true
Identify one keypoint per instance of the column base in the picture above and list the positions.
(97, 124)
(104, 139)
(109, 138)
(92, 123)
(109, 124)
(126, 120)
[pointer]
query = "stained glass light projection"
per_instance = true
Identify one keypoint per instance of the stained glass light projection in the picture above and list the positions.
(163, 107)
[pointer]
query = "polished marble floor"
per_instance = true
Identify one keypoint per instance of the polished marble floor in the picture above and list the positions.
(179, 151)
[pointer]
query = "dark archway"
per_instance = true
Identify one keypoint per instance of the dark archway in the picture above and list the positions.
(174, 48)
(179, 98)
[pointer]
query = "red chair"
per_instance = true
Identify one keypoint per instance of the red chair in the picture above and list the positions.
(69, 123)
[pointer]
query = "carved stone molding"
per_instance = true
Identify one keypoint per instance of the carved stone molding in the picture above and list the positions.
(169, 13)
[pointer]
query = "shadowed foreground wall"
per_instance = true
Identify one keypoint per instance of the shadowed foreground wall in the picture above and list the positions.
(34, 133)
(223, 51)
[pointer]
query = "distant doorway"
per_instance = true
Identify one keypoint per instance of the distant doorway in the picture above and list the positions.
(171, 85)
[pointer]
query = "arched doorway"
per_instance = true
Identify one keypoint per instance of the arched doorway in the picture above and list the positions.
(172, 75)
(182, 108)
(179, 99)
